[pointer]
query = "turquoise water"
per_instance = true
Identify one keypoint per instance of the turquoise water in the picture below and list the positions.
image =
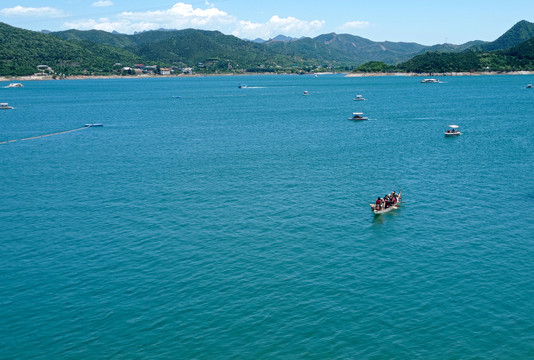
(235, 223)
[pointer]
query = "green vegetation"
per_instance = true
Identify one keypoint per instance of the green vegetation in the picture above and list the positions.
(513, 51)
(376, 67)
(519, 33)
(22, 50)
(517, 58)
(95, 52)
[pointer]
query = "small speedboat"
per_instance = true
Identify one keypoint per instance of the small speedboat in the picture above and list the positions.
(14, 85)
(305, 92)
(430, 81)
(453, 131)
(359, 98)
(529, 86)
(384, 210)
(357, 116)
(242, 86)
(5, 106)
(94, 125)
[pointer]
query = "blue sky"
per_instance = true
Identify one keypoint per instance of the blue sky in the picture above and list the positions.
(425, 22)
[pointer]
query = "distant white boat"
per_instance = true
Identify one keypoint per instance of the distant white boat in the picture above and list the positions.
(453, 131)
(359, 98)
(430, 81)
(5, 106)
(305, 92)
(529, 86)
(357, 116)
(242, 86)
(14, 85)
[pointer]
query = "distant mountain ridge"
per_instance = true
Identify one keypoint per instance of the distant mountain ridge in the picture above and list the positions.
(96, 51)
(276, 38)
(340, 49)
(332, 49)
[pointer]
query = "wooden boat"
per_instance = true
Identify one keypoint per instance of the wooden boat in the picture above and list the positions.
(388, 209)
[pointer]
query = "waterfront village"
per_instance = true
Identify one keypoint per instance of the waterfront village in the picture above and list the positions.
(210, 67)
(137, 69)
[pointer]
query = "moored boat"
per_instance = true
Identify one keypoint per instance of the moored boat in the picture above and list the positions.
(453, 131)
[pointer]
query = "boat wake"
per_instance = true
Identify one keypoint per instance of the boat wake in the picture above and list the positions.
(52, 134)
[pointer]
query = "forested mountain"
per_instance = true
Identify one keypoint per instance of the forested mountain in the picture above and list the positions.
(451, 48)
(347, 49)
(22, 50)
(517, 58)
(99, 52)
(225, 52)
(188, 48)
(97, 36)
(520, 32)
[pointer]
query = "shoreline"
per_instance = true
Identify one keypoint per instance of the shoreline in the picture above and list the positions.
(476, 73)
(372, 74)
(144, 76)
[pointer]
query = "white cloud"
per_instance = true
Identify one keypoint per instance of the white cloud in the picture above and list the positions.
(352, 25)
(276, 25)
(182, 15)
(106, 24)
(32, 12)
(102, 3)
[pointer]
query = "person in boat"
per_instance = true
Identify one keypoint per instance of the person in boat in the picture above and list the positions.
(394, 197)
(378, 204)
(387, 201)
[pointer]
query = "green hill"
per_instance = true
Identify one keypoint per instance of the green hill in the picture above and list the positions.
(223, 52)
(22, 50)
(519, 33)
(189, 47)
(517, 58)
(97, 36)
(513, 51)
(346, 49)
(96, 52)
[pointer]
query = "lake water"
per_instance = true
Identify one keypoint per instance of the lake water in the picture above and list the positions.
(205, 221)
